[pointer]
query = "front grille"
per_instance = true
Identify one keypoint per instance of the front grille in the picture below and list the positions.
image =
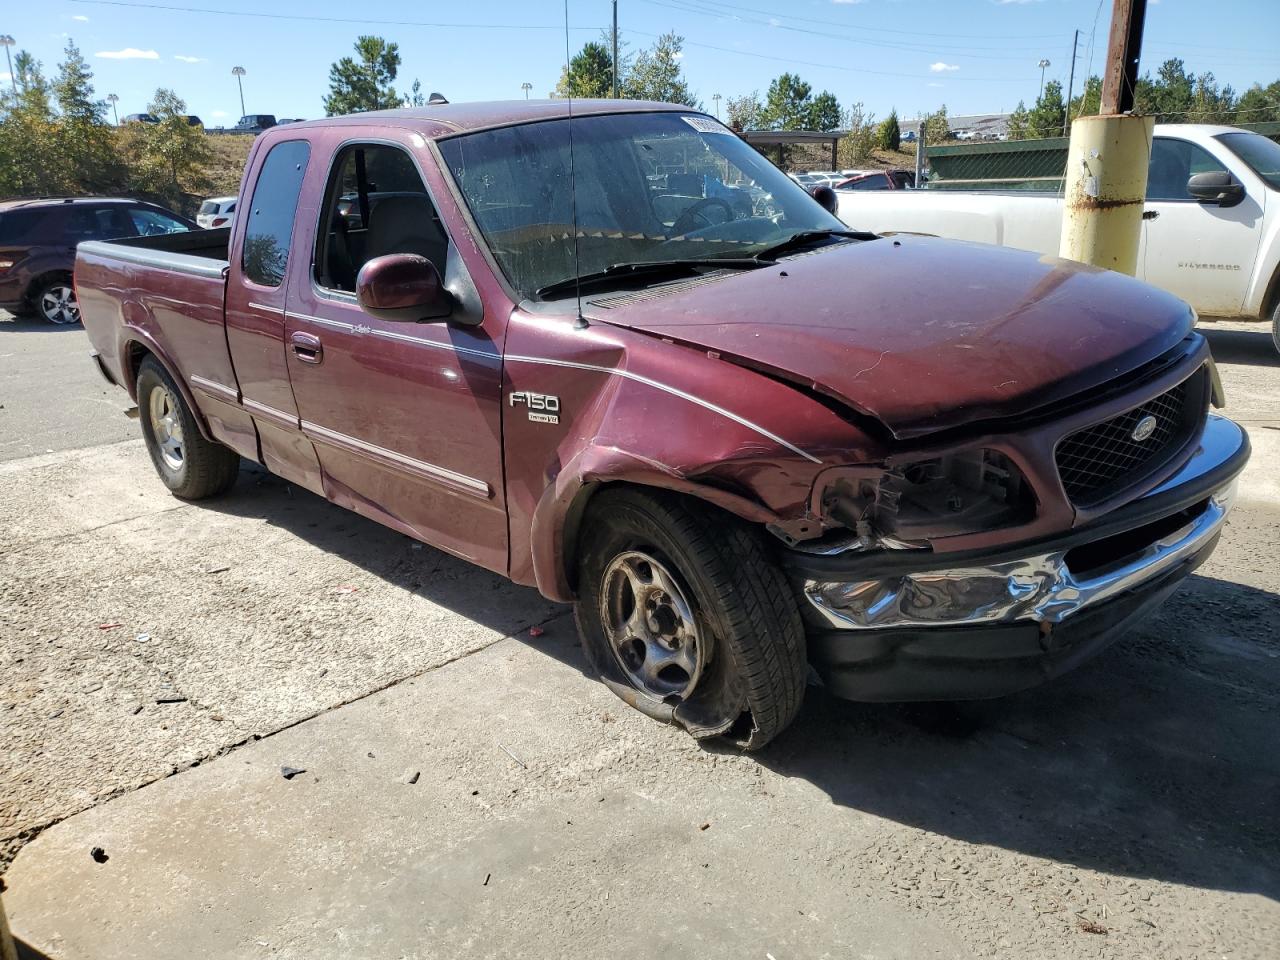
(1104, 459)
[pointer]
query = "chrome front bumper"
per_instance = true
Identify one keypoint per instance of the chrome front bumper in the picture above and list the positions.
(1039, 587)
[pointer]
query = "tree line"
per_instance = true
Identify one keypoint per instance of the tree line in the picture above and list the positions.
(55, 140)
(1172, 95)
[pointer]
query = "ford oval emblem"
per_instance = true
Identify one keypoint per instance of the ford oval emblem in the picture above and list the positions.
(1144, 428)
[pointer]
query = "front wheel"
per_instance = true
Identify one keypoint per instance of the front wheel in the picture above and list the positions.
(56, 302)
(683, 615)
(192, 467)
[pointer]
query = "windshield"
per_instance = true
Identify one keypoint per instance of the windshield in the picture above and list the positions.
(1262, 155)
(650, 187)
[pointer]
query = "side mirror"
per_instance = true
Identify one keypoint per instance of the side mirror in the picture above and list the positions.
(403, 288)
(826, 198)
(1216, 186)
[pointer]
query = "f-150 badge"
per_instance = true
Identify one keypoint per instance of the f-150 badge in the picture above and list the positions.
(542, 407)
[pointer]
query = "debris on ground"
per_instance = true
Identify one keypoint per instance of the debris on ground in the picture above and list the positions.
(217, 570)
(536, 631)
(514, 757)
(99, 855)
(142, 637)
(486, 879)
(1091, 926)
(109, 626)
(705, 826)
(290, 772)
(168, 694)
(138, 708)
(411, 776)
(343, 589)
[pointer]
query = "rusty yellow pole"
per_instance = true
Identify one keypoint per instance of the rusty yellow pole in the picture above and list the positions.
(1105, 190)
(1106, 177)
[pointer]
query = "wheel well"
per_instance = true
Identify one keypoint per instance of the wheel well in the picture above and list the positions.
(134, 356)
(39, 281)
(1272, 296)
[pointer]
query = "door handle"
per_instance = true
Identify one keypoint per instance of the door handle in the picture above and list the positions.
(307, 347)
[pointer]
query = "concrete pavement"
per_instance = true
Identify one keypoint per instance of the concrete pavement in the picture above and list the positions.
(1136, 796)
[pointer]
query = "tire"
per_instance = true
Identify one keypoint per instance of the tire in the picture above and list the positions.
(191, 467)
(1275, 326)
(721, 650)
(55, 301)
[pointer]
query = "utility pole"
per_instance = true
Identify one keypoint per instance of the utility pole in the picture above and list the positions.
(615, 49)
(1071, 84)
(920, 154)
(526, 87)
(113, 100)
(239, 72)
(1043, 65)
(7, 41)
(1106, 176)
(716, 98)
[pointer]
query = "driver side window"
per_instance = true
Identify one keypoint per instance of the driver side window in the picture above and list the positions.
(1173, 163)
(375, 204)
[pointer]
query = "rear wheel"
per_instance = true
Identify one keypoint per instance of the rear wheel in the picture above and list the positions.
(56, 301)
(683, 615)
(1275, 326)
(192, 467)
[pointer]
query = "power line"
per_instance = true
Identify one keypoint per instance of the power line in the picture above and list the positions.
(174, 8)
(735, 8)
(775, 23)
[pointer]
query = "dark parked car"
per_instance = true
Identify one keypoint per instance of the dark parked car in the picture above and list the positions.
(139, 118)
(194, 121)
(880, 180)
(255, 123)
(38, 246)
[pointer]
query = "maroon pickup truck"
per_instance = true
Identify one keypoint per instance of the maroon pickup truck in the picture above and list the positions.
(620, 357)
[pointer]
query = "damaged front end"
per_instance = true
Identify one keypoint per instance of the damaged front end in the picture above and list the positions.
(892, 618)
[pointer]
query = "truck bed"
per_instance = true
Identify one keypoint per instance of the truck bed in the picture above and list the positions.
(199, 252)
(164, 295)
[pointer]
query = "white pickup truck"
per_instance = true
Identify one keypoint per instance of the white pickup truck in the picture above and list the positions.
(1211, 234)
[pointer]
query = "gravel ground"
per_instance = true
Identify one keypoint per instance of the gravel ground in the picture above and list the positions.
(1138, 795)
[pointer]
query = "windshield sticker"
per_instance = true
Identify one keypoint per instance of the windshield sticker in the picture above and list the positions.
(706, 125)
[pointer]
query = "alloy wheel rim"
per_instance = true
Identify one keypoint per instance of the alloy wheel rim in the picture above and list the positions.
(58, 304)
(166, 424)
(651, 627)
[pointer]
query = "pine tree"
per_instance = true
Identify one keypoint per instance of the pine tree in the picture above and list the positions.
(656, 74)
(358, 85)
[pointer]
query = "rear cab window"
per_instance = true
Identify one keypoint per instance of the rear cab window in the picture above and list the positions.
(269, 225)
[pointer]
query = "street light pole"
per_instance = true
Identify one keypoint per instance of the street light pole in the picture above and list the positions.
(7, 41)
(526, 87)
(239, 72)
(1043, 64)
(113, 100)
(716, 98)
(615, 49)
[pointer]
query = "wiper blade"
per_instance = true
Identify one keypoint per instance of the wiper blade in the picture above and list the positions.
(806, 237)
(644, 269)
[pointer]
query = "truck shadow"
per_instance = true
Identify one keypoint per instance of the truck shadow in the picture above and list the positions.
(1157, 759)
(1254, 347)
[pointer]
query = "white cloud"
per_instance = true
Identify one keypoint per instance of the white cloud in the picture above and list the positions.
(775, 22)
(81, 17)
(178, 56)
(848, 1)
(128, 53)
(5, 77)
(933, 84)
(220, 113)
(941, 67)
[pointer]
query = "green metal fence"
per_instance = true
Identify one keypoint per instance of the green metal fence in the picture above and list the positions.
(1015, 164)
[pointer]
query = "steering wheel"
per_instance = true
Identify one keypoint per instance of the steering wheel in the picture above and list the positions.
(685, 222)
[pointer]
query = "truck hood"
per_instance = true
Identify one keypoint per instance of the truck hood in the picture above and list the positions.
(922, 334)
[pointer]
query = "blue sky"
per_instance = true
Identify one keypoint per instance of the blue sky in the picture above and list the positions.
(972, 55)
